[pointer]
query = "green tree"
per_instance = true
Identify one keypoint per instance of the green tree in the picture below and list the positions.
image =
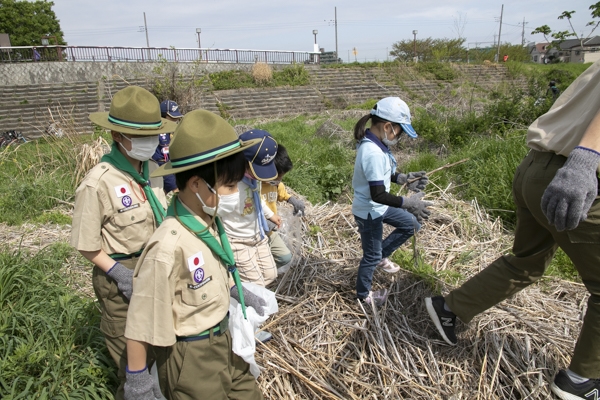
(27, 21)
(515, 52)
(430, 49)
(561, 36)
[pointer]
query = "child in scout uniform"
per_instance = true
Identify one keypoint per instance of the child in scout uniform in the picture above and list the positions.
(182, 282)
(245, 215)
(118, 207)
(272, 192)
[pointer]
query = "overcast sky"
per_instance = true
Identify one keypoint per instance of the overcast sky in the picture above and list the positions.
(370, 27)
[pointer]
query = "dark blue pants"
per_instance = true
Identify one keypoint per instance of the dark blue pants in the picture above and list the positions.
(375, 249)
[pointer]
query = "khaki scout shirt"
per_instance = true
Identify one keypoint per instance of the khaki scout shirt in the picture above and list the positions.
(180, 288)
(111, 211)
(562, 127)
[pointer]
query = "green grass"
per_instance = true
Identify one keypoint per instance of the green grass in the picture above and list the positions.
(322, 167)
(294, 75)
(562, 267)
(50, 344)
(37, 177)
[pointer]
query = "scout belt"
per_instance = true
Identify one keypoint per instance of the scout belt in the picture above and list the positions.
(120, 256)
(217, 330)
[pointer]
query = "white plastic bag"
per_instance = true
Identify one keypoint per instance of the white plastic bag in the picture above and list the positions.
(242, 330)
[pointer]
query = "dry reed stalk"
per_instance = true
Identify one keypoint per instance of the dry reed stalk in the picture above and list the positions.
(89, 156)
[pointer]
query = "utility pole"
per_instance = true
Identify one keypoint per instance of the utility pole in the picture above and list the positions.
(499, 34)
(147, 41)
(523, 33)
(146, 29)
(336, 42)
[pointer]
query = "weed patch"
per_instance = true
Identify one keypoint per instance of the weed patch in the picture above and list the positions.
(50, 344)
(294, 75)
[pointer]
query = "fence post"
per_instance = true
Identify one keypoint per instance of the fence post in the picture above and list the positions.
(237, 61)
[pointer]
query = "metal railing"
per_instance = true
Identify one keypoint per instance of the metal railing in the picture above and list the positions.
(18, 54)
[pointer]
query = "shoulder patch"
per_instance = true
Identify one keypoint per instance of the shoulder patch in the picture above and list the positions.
(94, 175)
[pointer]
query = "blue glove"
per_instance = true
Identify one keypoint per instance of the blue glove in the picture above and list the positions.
(124, 278)
(141, 386)
(568, 198)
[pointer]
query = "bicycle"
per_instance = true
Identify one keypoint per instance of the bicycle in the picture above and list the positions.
(11, 137)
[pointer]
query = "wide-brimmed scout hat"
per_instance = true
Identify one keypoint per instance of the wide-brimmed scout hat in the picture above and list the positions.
(134, 111)
(201, 138)
(395, 110)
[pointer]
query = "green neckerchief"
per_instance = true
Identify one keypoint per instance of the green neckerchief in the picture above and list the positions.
(223, 249)
(118, 160)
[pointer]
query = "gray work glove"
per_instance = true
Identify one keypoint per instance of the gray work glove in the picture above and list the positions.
(416, 206)
(570, 195)
(414, 181)
(298, 206)
(250, 299)
(272, 225)
(141, 386)
(124, 278)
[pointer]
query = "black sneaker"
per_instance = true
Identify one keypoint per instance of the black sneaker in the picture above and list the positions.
(566, 389)
(444, 321)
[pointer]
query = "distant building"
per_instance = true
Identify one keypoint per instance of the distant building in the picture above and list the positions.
(570, 50)
(538, 51)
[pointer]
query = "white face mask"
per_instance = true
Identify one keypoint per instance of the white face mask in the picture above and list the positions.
(388, 142)
(209, 210)
(142, 148)
(228, 203)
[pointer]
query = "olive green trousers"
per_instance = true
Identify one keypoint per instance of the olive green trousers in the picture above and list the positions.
(205, 369)
(534, 246)
(114, 308)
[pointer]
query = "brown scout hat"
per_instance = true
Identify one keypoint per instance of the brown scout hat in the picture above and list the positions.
(134, 111)
(201, 138)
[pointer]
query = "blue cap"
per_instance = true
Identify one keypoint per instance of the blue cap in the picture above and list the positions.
(170, 108)
(261, 155)
(395, 110)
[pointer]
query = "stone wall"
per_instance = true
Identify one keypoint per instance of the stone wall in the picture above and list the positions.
(63, 72)
(36, 96)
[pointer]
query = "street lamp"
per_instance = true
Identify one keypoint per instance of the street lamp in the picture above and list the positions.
(198, 30)
(415, 45)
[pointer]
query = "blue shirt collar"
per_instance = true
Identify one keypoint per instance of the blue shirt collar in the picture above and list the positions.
(371, 136)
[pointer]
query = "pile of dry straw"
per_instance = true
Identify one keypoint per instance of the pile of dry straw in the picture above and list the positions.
(326, 345)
